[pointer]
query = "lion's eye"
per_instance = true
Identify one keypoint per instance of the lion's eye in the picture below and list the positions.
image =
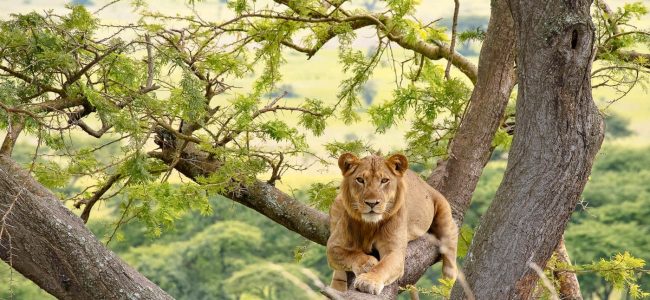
(384, 180)
(360, 180)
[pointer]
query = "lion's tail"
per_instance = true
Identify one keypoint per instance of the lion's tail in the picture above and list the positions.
(445, 230)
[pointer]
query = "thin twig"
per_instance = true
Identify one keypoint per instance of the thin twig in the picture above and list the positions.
(105, 6)
(453, 38)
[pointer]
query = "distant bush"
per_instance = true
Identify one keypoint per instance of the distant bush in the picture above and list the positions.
(285, 88)
(369, 92)
(83, 2)
(617, 126)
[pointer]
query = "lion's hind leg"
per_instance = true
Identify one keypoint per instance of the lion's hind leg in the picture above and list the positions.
(339, 281)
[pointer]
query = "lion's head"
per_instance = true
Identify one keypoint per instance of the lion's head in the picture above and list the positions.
(372, 187)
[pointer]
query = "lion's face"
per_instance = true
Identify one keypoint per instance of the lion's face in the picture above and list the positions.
(372, 185)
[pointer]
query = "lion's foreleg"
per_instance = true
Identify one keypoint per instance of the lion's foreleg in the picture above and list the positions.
(343, 259)
(389, 269)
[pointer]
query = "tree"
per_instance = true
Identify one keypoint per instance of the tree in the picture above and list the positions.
(559, 131)
(168, 86)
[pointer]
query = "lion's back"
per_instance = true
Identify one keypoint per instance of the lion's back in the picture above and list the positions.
(420, 199)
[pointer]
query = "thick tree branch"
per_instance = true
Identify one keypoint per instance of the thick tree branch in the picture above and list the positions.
(13, 131)
(456, 178)
(58, 104)
(262, 197)
(44, 241)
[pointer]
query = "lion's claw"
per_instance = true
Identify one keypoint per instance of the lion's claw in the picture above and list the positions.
(368, 283)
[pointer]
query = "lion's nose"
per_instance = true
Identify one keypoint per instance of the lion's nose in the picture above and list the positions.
(372, 203)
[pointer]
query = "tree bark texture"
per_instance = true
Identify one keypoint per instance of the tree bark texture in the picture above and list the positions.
(456, 178)
(558, 133)
(45, 242)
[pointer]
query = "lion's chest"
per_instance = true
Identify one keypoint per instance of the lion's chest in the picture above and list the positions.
(363, 238)
(370, 238)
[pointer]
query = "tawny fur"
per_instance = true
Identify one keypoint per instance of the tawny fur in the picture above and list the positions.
(382, 206)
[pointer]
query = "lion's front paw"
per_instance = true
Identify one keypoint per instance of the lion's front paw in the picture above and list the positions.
(364, 266)
(369, 283)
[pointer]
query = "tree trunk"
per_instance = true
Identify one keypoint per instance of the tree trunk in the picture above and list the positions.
(470, 150)
(559, 131)
(44, 241)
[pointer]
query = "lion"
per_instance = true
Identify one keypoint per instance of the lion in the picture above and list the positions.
(381, 206)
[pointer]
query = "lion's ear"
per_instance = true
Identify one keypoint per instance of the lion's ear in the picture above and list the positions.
(398, 164)
(346, 162)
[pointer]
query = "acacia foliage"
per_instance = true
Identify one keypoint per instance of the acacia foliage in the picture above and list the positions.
(149, 83)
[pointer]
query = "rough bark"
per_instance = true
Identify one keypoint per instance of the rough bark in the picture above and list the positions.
(45, 242)
(569, 285)
(13, 131)
(470, 150)
(559, 131)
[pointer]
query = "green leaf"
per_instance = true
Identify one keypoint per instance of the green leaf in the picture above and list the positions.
(464, 240)
(335, 149)
(315, 123)
(50, 174)
(137, 169)
(80, 19)
(278, 130)
(322, 195)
